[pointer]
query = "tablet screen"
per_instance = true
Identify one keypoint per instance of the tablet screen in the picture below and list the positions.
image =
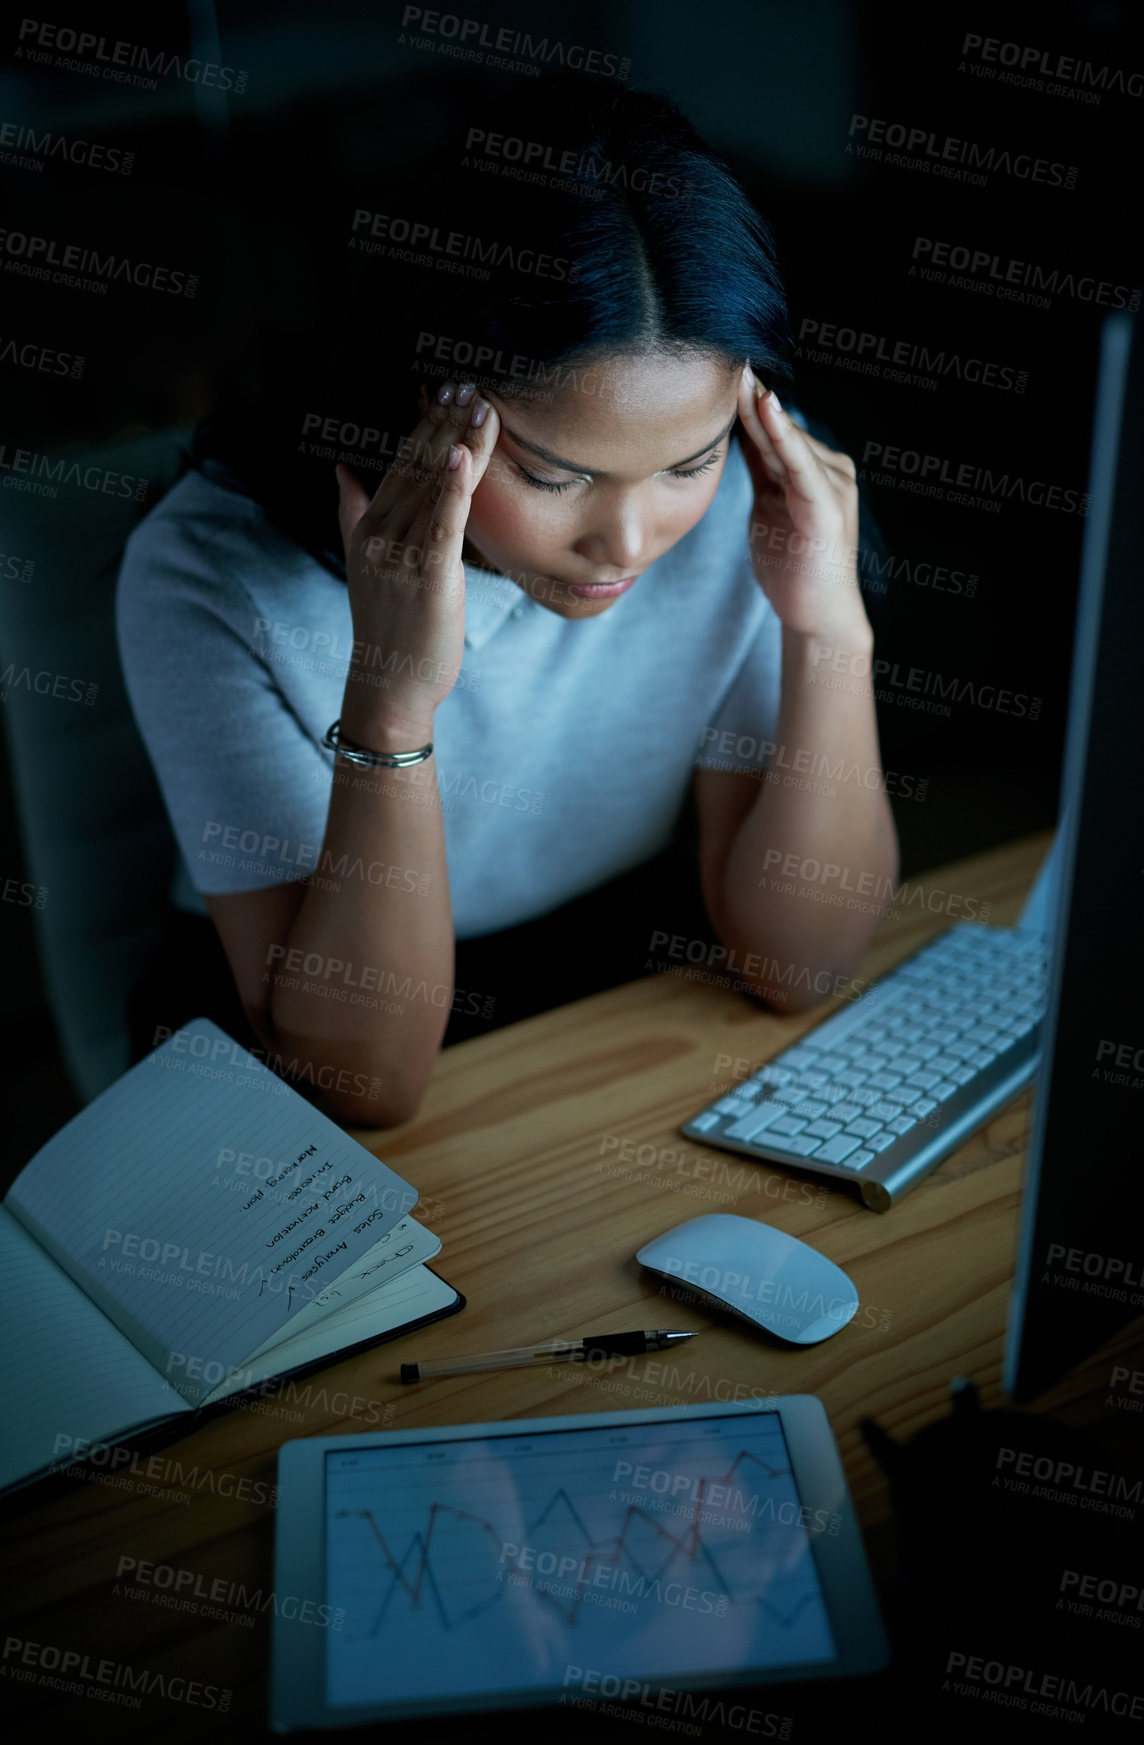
(517, 1562)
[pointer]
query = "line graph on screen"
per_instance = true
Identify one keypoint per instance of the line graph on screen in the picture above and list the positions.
(689, 1542)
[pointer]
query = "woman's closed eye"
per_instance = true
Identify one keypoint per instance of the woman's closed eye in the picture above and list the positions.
(671, 473)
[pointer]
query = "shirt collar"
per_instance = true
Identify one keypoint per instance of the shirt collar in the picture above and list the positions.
(488, 601)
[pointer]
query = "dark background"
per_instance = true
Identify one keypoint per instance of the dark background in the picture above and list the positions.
(255, 194)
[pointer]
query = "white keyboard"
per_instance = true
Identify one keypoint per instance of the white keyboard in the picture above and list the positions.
(884, 1090)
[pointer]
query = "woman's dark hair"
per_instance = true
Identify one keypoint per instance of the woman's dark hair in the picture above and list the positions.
(572, 220)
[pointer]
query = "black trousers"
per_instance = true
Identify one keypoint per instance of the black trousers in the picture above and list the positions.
(595, 942)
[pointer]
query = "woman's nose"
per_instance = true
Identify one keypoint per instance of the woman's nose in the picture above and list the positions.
(617, 538)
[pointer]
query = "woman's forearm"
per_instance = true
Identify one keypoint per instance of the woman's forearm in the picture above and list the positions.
(798, 845)
(364, 980)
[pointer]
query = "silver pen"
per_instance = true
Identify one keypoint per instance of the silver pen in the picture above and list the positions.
(554, 1351)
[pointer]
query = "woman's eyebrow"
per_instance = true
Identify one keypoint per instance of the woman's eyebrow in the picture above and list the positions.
(568, 466)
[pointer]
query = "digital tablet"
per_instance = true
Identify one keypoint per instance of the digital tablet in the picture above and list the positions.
(601, 1557)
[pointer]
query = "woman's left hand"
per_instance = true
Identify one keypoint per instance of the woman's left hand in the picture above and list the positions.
(803, 530)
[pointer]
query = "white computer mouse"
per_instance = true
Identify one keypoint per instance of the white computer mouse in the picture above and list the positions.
(773, 1280)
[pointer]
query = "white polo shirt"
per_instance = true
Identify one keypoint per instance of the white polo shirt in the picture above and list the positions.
(564, 752)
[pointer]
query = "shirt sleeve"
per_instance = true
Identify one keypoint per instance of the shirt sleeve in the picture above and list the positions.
(245, 785)
(739, 739)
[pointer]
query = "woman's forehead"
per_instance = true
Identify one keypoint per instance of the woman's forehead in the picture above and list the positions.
(616, 411)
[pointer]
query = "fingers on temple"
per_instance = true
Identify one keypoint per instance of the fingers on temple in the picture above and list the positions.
(804, 470)
(416, 471)
(439, 528)
(761, 445)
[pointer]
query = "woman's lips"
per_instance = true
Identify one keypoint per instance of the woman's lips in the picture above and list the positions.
(601, 590)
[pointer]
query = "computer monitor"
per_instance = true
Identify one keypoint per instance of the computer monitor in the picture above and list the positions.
(1080, 1265)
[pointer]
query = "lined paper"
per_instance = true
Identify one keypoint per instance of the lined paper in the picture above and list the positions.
(405, 1246)
(418, 1293)
(67, 1377)
(200, 1202)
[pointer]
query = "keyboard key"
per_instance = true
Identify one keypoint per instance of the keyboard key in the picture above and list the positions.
(801, 1056)
(983, 1057)
(748, 1091)
(774, 1075)
(833, 1063)
(759, 1118)
(863, 1098)
(787, 1126)
(922, 1081)
(888, 1110)
(883, 1141)
(798, 1146)
(946, 1089)
(811, 1110)
(705, 1122)
(961, 1075)
(864, 1128)
(859, 1159)
(731, 1106)
(924, 1108)
(903, 1124)
(925, 1052)
(850, 1079)
(844, 1113)
(837, 1150)
(823, 1130)
(814, 1081)
(789, 1094)
(884, 1081)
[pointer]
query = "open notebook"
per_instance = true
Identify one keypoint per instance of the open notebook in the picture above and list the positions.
(196, 1230)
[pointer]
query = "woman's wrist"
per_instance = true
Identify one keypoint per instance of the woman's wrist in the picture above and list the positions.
(375, 728)
(847, 641)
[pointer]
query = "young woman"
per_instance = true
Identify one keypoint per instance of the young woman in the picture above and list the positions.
(605, 573)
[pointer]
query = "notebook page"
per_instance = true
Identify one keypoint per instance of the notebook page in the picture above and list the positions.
(127, 1198)
(67, 1378)
(407, 1245)
(416, 1294)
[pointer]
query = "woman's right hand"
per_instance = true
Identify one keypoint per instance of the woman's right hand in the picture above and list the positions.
(404, 571)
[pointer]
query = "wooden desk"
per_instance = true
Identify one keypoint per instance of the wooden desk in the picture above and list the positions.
(546, 1154)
